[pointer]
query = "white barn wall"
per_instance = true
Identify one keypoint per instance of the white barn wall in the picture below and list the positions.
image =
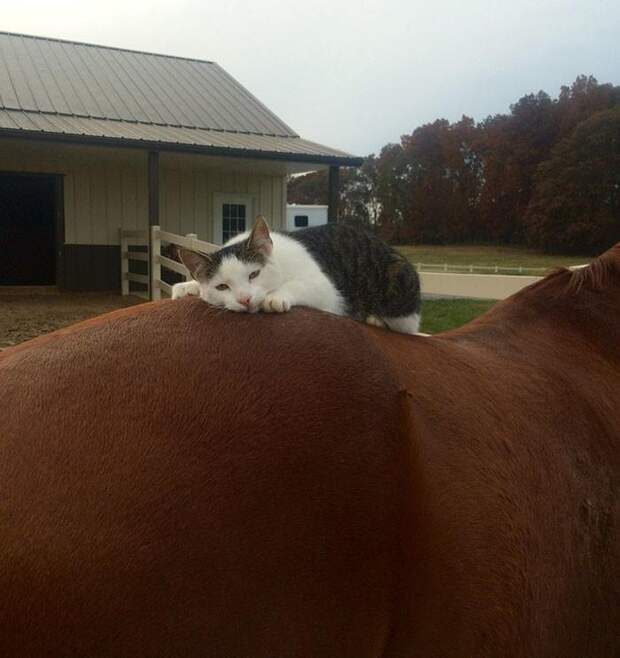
(107, 188)
(187, 198)
(104, 188)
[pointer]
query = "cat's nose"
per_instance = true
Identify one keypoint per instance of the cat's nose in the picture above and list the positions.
(244, 300)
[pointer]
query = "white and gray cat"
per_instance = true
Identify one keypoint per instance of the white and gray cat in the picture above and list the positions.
(334, 268)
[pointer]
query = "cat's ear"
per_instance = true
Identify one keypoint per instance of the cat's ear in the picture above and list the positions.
(198, 265)
(260, 240)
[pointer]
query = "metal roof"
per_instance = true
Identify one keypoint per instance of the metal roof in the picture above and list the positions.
(82, 92)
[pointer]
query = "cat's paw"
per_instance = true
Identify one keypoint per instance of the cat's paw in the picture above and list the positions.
(180, 290)
(276, 303)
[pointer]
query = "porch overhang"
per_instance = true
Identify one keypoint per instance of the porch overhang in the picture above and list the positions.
(151, 137)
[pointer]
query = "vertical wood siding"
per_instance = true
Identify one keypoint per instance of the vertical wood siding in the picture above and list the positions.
(106, 188)
(188, 198)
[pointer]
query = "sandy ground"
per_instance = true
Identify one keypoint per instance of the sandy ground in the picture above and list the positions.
(25, 316)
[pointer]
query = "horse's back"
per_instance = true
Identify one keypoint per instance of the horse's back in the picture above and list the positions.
(178, 481)
(172, 490)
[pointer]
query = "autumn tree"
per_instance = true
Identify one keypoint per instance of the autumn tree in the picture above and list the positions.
(488, 182)
(511, 148)
(585, 97)
(356, 201)
(576, 203)
(309, 188)
(389, 191)
(442, 178)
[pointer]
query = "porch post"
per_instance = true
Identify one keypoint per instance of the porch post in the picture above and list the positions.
(59, 210)
(153, 181)
(332, 194)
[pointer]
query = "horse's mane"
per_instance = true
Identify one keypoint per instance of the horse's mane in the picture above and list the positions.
(596, 285)
(600, 275)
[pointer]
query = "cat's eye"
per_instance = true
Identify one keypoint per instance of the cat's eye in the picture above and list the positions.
(222, 286)
(254, 274)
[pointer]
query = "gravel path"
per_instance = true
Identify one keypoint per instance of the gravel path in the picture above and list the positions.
(25, 316)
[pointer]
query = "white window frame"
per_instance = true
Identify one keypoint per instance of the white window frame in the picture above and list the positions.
(219, 199)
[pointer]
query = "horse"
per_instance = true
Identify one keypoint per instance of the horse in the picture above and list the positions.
(176, 480)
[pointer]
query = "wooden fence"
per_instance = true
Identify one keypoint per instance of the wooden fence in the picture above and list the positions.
(152, 254)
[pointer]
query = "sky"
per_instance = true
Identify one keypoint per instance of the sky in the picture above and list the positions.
(358, 74)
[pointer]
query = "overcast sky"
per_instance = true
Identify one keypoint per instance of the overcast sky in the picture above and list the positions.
(358, 74)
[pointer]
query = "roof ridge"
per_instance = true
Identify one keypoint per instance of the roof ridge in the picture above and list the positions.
(103, 47)
(21, 110)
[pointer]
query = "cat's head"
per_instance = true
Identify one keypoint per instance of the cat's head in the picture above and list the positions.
(239, 275)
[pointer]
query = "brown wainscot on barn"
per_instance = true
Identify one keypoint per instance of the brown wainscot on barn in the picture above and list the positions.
(95, 139)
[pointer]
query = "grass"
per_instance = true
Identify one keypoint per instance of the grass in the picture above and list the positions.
(486, 255)
(443, 314)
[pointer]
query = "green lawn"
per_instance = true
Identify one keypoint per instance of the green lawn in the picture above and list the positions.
(484, 255)
(443, 314)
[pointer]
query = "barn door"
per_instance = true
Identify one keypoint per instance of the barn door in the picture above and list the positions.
(27, 230)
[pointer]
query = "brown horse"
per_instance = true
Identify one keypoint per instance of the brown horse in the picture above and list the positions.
(177, 481)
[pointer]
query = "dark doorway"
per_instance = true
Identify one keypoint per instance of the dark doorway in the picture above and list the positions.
(27, 230)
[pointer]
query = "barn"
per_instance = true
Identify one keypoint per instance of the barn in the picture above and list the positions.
(94, 139)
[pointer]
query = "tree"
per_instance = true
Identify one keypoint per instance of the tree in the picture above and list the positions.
(511, 147)
(468, 182)
(389, 191)
(308, 189)
(442, 180)
(576, 203)
(356, 200)
(581, 100)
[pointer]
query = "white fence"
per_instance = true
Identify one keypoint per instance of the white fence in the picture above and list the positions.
(189, 241)
(480, 269)
(155, 285)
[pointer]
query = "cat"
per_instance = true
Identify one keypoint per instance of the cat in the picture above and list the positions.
(336, 268)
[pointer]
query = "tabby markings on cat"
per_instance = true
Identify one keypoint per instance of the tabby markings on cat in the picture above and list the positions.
(335, 268)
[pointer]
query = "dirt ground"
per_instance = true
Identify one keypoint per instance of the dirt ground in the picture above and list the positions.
(24, 316)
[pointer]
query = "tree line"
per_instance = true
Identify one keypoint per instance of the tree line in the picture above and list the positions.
(546, 175)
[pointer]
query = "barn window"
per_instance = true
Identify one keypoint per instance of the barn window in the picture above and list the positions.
(233, 220)
(301, 221)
